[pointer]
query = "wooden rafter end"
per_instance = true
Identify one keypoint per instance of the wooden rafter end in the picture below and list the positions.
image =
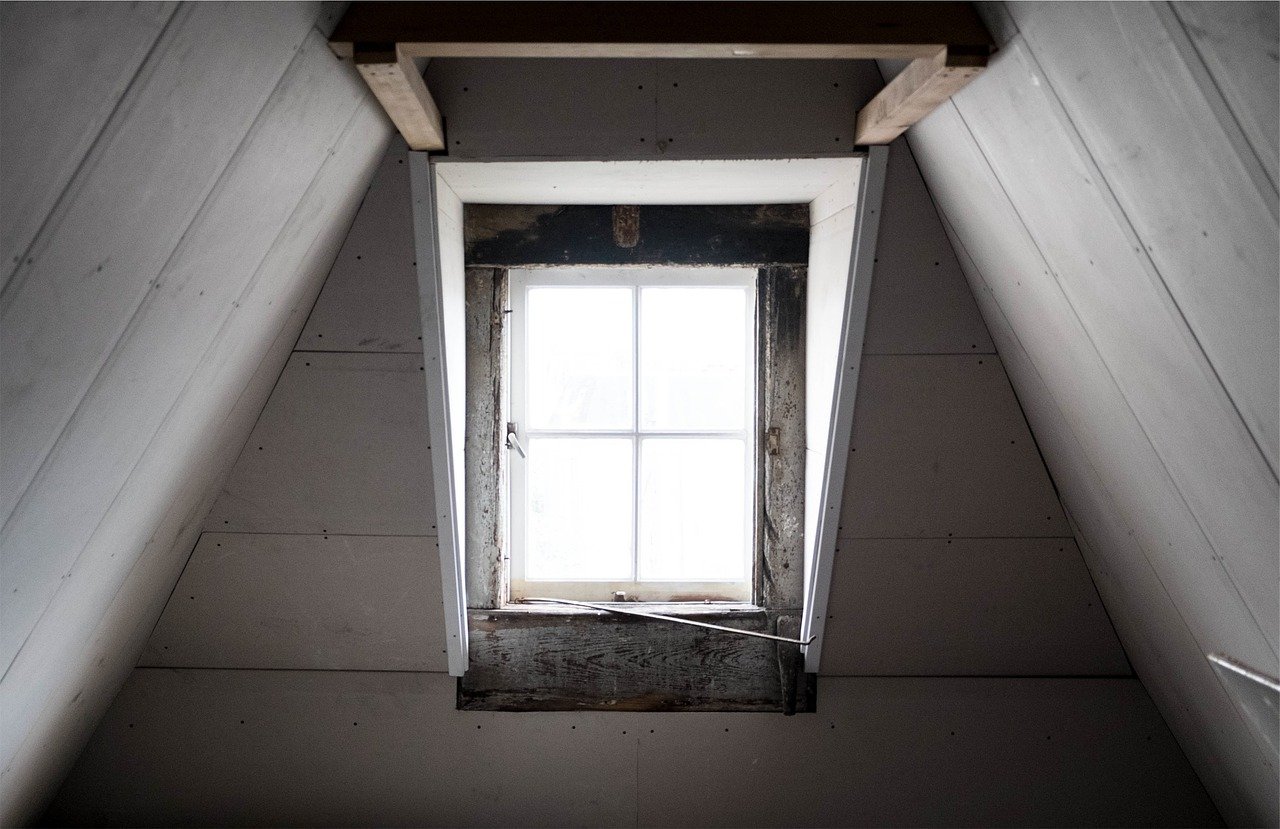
(397, 83)
(917, 91)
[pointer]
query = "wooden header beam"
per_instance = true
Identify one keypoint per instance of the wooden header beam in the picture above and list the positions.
(946, 42)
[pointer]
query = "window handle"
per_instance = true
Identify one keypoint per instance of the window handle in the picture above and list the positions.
(513, 442)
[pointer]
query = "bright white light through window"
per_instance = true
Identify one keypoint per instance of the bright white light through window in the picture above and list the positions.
(633, 391)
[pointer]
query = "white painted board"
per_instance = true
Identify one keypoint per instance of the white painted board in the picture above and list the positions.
(437, 227)
(1257, 695)
(99, 254)
(370, 300)
(341, 447)
(331, 602)
(1237, 42)
(940, 448)
(687, 181)
(197, 291)
(1174, 180)
(841, 262)
(966, 607)
(182, 747)
(1142, 332)
(66, 66)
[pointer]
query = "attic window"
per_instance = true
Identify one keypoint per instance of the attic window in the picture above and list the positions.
(633, 401)
(551, 658)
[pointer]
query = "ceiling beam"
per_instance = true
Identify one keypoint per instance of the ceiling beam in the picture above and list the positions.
(397, 83)
(914, 93)
(945, 41)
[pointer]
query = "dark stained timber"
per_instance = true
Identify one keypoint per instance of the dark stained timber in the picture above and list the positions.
(642, 29)
(499, 235)
(532, 661)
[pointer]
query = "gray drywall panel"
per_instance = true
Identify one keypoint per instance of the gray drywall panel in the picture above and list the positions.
(649, 108)
(341, 447)
(534, 107)
(370, 300)
(746, 109)
(289, 748)
(940, 448)
(930, 752)
(966, 607)
(332, 602)
(920, 303)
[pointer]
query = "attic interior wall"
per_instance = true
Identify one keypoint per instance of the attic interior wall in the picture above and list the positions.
(1110, 186)
(972, 675)
(176, 181)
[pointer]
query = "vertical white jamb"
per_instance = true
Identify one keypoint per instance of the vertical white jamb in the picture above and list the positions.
(857, 296)
(438, 364)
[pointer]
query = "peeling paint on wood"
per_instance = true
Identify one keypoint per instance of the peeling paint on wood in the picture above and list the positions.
(781, 301)
(626, 225)
(523, 660)
(486, 301)
(525, 235)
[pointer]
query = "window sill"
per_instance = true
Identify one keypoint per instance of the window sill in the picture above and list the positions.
(544, 657)
(679, 609)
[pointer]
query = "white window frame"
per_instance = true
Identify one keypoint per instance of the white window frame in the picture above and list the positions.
(843, 193)
(649, 590)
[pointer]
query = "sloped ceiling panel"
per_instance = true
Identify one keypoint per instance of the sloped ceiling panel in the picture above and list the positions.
(1108, 194)
(175, 230)
(969, 650)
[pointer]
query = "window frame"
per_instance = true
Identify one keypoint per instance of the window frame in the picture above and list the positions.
(519, 281)
(843, 192)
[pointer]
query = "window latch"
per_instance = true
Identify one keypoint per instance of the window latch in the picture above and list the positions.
(513, 442)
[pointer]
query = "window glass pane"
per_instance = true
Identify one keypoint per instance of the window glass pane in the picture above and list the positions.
(579, 357)
(579, 515)
(693, 509)
(693, 358)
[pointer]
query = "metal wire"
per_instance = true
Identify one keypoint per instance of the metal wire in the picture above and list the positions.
(611, 608)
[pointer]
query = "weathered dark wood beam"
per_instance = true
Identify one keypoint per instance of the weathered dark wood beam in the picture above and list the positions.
(384, 38)
(524, 660)
(663, 30)
(512, 235)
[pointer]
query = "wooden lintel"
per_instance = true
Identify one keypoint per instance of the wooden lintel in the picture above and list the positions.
(511, 235)
(398, 85)
(917, 91)
(869, 30)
